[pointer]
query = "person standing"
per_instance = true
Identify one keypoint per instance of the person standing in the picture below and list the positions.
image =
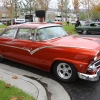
(77, 23)
(67, 21)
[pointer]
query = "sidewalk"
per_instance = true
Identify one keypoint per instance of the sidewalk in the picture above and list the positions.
(31, 87)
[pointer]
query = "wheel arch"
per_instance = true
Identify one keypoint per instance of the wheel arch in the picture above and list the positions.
(60, 60)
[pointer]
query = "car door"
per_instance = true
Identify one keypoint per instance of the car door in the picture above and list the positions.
(23, 47)
(96, 28)
(6, 39)
(92, 28)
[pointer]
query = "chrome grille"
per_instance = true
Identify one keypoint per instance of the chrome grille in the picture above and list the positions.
(96, 63)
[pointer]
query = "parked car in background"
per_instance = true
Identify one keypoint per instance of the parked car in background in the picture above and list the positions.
(89, 28)
(48, 47)
(18, 21)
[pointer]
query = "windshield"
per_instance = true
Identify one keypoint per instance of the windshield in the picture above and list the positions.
(51, 32)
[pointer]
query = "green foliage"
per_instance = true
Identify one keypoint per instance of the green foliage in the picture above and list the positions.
(83, 16)
(12, 93)
(70, 29)
(95, 15)
(3, 26)
(8, 23)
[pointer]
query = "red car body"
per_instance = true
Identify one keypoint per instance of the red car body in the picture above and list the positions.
(68, 56)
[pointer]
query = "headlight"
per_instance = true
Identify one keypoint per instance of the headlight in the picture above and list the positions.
(96, 56)
(92, 68)
(94, 64)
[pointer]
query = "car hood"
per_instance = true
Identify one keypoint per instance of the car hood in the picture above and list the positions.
(77, 41)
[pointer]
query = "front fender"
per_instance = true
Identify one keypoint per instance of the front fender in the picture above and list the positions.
(80, 66)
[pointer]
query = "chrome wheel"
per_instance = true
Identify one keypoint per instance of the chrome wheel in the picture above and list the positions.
(64, 70)
(84, 32)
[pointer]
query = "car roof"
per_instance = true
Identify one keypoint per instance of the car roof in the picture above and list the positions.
(33, 25)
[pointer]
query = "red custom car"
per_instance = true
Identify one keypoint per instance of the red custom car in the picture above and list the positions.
(48, 47)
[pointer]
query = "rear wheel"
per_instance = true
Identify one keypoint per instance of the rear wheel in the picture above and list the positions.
(65, 72)
(84, 32)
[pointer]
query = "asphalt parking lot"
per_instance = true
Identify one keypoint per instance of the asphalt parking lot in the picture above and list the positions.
(83, 90)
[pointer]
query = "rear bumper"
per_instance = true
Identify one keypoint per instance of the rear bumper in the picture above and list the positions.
(94, 77)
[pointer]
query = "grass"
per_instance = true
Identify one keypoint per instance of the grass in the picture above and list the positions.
(3, 26)
(70, 29)
(12, 93)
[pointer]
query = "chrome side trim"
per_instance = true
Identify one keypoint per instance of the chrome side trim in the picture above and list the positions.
(43, 47)
(16, 47)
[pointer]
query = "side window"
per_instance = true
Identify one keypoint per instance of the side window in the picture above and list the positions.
(11, 33)
(24, 34)
(33, 32)
(41, 35)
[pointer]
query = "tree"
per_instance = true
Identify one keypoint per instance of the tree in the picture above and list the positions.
(43, 4)
(96, 12)
(83, 16)
(63, 7)
(76, 6)
(27, 7)
(89, 5)
(11, 7)
(30, 6)
(1, 13)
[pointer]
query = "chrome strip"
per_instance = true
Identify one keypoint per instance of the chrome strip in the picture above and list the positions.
(96, 55)
(95, 62)
(16, 47)
(43, 47)
(94, 77)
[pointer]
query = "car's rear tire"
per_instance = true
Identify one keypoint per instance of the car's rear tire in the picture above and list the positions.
(84, 32)
(65, 72)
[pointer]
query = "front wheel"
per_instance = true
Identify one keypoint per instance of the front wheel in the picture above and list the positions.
(65, 72)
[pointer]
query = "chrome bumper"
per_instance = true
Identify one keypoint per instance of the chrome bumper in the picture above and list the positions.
(94, 77)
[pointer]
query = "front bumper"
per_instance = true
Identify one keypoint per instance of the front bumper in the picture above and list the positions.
(94, 77)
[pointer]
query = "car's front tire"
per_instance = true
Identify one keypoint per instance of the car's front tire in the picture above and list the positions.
(65, 72)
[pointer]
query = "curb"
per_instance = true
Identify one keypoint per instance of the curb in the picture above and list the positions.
(30, 86)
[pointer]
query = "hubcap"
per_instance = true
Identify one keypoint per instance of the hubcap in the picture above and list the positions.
(84, 32)
(64, 70)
